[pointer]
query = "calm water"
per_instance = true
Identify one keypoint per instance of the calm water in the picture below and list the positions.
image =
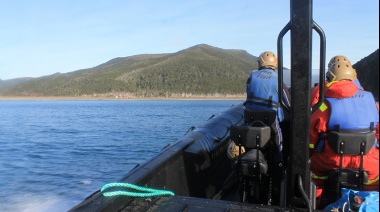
(53, 154)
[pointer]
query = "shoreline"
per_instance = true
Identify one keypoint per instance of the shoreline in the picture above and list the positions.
(118, 99)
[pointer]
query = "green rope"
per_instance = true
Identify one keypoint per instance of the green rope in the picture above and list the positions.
(146, 192)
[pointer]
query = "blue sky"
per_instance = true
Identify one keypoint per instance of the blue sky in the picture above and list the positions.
(40, 38)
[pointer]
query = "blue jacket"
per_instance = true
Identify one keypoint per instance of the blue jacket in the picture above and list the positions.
(353, 113)
(358, 84)
(262, 92)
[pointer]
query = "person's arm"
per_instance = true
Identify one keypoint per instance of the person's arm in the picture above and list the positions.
(318, 124)
(314, 95)
(248, 81)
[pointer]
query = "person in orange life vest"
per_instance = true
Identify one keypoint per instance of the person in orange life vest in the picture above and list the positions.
(351, 108)
(335, 59)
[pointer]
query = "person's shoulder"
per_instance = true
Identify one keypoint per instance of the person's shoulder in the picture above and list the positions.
(268, 70)
(340, 89)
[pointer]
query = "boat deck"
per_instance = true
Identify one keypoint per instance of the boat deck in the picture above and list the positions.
(181, 203)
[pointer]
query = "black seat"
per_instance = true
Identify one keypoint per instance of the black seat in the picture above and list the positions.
(257, 167)
(345, 143)
(253, 162)
(250, 137)
(266, 116)
(351, 143)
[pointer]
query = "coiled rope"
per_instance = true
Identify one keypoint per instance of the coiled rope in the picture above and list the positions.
(145, 192)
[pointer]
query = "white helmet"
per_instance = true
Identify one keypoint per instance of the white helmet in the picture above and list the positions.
(233, 151)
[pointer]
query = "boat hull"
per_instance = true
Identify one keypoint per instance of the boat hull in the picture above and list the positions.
(195, 166)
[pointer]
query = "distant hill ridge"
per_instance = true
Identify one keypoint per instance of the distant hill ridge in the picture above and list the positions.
(198, 71)
(201, 70)
(8, 83)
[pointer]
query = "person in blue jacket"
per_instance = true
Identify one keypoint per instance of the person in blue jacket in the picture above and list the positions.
(262, 89)
(262, 94)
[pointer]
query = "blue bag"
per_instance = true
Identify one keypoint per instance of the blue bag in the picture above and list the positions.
(367, 201)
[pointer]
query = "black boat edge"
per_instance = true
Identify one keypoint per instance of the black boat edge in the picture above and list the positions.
(181, 167)
(196, 168)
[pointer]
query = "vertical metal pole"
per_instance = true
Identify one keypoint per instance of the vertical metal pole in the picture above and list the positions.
(301, 48)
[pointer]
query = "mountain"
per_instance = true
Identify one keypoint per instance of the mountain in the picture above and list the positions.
(368, 73)
(200, 70)
(11, 82)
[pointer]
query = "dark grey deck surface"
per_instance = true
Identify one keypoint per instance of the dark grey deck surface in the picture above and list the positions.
(180, 204)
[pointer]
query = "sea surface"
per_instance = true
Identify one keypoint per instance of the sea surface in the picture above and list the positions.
(55, 153)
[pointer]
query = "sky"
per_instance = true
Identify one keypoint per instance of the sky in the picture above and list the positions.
(43, 37)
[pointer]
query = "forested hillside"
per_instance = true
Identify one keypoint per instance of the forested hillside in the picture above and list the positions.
(12, 82)
(198, 71)
(201, 70)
